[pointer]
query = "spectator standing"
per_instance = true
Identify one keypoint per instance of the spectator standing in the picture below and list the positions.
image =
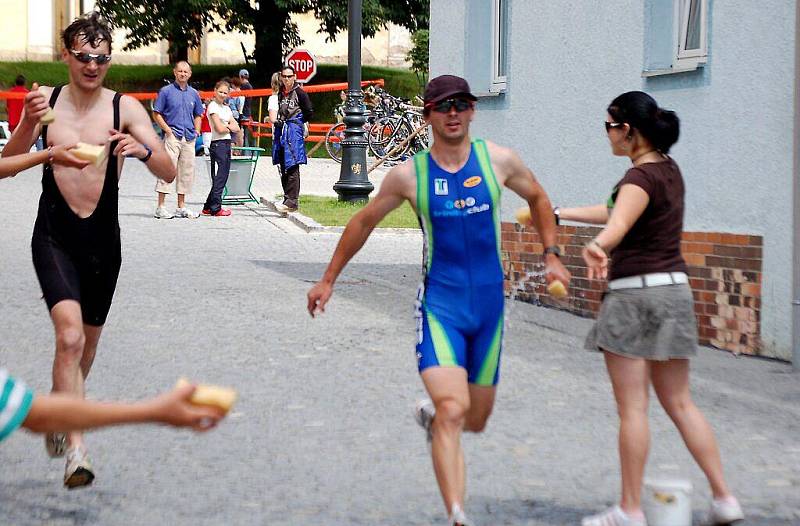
(15, 105)
(235, 104)
(222, 126)
(246, 113)
(177, 111)
(646, 327)
(288, 144)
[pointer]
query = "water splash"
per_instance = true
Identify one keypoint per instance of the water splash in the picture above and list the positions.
(532, 278)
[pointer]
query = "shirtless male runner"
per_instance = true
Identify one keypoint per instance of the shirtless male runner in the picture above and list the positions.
(76, 238)
(455, 190)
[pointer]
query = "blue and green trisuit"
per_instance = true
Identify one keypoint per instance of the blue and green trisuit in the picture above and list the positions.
(459, 306)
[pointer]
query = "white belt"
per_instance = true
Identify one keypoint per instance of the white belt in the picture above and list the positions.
(657, 279)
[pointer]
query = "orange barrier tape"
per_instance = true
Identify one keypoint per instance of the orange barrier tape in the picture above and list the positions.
(318, 88)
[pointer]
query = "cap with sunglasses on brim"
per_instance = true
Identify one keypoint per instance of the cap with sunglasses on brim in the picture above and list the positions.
(446, 86)
(244, 73)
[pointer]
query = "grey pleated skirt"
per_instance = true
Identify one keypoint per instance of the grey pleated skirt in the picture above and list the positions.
(654, 323)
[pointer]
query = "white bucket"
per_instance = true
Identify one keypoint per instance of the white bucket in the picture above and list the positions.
(667, 502)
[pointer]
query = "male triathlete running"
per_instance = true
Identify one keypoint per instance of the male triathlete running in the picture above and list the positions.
(76, 238)
(455, 190)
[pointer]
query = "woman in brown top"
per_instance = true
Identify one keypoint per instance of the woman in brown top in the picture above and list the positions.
(646, 326)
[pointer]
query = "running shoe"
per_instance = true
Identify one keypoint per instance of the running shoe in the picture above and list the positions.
(185, 212)
(724, 511)
(161, 213)
(613, 516)
(222, 212)
(56, 444)
(457, 517)
(78, 471)
(424, 412)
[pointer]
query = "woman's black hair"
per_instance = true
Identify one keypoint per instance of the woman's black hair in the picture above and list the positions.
(284, 68)
(90, 29)
(639, 110)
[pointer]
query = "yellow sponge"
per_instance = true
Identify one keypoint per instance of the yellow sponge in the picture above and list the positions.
(213, 395)
(557, 289)
(524, 215)
(94, 153)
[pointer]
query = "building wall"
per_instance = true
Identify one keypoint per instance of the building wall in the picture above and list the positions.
(568, 60)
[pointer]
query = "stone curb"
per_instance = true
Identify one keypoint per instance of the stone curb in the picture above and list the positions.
(309, 225)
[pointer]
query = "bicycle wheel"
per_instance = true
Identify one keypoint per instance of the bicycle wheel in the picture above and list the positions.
(333, 141)
(385, 135)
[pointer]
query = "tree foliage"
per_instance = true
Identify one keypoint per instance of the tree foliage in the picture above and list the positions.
(182, 22)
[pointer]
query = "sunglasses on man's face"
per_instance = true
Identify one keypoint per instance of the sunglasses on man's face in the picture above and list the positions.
(287, 76)
(446, 105)
(611, 125)
(85, 58)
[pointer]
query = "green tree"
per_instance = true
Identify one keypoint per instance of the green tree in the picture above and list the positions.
(182, 22)
(276, 34)
(179, 22)
(419, 55)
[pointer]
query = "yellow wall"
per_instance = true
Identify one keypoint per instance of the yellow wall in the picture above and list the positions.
(13, 29)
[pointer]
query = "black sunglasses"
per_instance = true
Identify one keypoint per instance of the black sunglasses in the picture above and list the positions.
(287, 76)
(88, 57)
(445, 106)
(610, 125)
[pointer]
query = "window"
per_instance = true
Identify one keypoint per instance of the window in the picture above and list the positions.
(676, 36)
(692, 49)
(499, 45)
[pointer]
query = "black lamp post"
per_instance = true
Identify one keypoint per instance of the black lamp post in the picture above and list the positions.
(353, 184)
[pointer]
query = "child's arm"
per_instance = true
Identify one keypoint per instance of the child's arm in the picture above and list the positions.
(11, 166)
(64, 413)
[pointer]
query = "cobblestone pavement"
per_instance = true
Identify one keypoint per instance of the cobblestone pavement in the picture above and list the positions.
(323, 432)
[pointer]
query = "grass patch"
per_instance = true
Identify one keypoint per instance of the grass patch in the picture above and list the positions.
(329, 211)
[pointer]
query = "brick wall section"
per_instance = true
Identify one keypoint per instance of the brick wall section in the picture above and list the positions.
(724, 273)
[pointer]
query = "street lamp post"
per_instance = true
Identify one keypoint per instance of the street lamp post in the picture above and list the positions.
(353, 184)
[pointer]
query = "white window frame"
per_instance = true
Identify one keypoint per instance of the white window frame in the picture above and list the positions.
(685, 60)
(499, 42)
(691, 58)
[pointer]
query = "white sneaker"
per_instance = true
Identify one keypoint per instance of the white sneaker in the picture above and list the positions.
(457, 516)
(724, 511)
(424, 412)
(161, 213)
(613, 516)
(78, 471)
(185, 212)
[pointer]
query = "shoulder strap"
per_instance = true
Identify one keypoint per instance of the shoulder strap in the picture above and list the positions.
(482, 152)
(117, 97)
(53, 97)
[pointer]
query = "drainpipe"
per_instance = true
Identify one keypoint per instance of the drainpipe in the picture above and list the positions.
(796, 185)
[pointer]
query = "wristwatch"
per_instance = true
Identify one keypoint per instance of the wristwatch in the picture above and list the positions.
(149, 153)
(557, 213)
(552, 249)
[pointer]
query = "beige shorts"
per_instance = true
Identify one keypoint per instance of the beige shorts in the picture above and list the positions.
(181, 152)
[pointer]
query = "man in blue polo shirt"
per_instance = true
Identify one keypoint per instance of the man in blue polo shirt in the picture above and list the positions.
(177, 111)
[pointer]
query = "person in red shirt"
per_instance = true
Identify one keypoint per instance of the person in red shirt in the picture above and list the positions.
(15, 105)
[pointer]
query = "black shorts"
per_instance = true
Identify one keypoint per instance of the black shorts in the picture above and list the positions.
(88, 278)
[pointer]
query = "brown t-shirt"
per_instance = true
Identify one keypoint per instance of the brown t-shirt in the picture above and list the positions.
(653, 244)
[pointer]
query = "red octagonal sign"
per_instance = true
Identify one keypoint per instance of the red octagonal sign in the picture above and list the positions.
(304, 63)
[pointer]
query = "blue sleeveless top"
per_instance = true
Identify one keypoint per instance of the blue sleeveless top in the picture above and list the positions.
(460, 218)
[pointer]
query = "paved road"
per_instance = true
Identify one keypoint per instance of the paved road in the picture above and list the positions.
(323, 433)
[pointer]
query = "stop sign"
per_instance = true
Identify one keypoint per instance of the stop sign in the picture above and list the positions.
(304, 64)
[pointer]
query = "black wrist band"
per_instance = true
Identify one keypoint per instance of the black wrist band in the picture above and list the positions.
(552, 249)
(149, 153)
